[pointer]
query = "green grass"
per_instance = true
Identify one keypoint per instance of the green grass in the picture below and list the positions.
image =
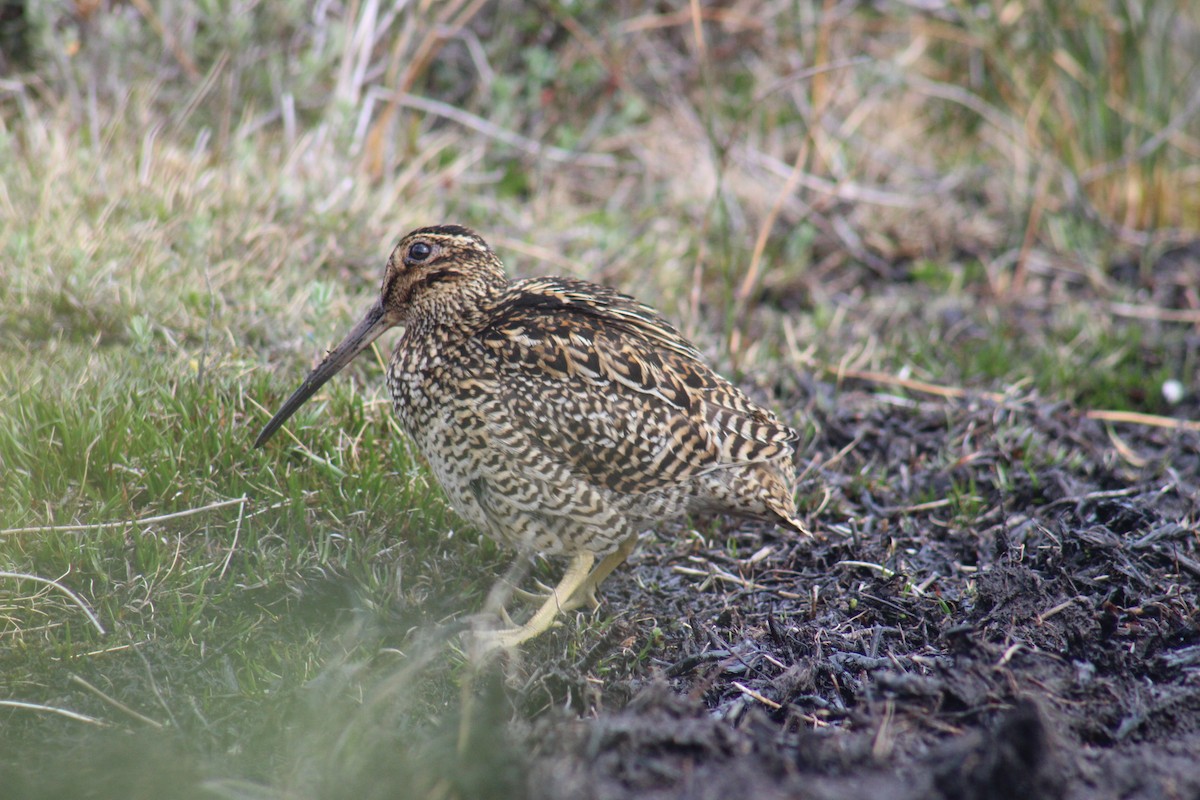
(177, 251)
(1090, 90)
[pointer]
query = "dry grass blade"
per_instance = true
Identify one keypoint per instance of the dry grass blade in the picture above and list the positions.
(716, 573)
(954, 392)
(724, 16)
(169, 41)
(1137, 418)
(760, 243)
(924, 387)
(1135, 311)
(451, 18)
(746, 690)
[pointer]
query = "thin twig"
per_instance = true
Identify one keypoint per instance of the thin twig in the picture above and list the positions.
(316, 459)
(838, 456)
(698, 29)
(74, 597)
(162, 701)
(307, 494)
(810, 72)
(99, 526)
(726, 17)
(451, 18)
(919, 507)
(843, 190)
(750, 280)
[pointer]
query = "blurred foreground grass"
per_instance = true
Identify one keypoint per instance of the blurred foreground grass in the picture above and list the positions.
(195, 200)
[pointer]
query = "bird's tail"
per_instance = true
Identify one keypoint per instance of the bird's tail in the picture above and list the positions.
(793, 523)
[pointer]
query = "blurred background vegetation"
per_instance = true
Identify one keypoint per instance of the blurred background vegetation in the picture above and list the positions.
(714, 157)
(195, 198)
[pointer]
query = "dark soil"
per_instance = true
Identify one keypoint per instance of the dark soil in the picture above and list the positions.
(1033, 633)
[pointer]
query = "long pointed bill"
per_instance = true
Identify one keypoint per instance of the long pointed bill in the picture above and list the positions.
(365, 332)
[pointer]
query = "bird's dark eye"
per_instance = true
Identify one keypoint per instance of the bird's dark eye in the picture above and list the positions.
(419, 251)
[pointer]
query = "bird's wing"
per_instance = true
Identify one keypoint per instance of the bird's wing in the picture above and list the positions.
(611, 388)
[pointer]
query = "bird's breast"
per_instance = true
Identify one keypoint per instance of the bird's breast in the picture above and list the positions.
(432, 384)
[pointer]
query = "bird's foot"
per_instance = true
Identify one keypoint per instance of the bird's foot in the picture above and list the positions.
(481, 643)
(583, 596)
(503, 612)
(540, 596)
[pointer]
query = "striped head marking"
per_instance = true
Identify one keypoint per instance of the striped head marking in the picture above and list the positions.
(438, 266)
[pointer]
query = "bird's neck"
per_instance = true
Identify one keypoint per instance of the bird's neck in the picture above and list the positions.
(461, 313)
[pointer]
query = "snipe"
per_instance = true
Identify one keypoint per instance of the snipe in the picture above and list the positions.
(559, 416)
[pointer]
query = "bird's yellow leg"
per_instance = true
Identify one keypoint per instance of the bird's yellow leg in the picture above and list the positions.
(575, 576)
(586, 593)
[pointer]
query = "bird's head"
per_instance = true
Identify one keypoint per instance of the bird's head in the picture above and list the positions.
(435, 268)
(436, 273)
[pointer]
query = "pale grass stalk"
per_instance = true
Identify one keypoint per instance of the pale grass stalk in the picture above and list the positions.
(885, 737)
(764, 230)
(698, 30)
(316, 459)
(62, 712)
(847, 191)
(1148, 147)
(716, 573)
(452, 18)
(201, 93)
(1136, 311)
(99, 526)
(734, 20)
(356, 57)
(237, 530)
(495, 132)
(55, 584)
(882, 570)
(1138, 418)
(117, 704)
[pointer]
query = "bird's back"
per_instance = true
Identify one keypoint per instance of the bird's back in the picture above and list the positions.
(571, 406)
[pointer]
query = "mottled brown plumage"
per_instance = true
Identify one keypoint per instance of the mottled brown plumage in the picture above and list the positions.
(560, 416)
